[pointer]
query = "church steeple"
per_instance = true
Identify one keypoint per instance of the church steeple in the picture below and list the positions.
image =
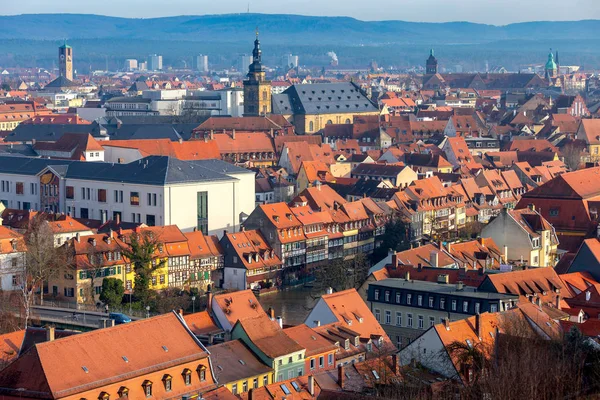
(257, 89)
(431, 64)
(551, 69)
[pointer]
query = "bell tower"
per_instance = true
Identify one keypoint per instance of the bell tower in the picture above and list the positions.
(431, 66)
(65, 61)
(257, 90)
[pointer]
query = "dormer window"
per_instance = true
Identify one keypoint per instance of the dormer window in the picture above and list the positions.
(201, 372)
(249, 258)
(187, 376)
(123, 392)
(104, 396)
(356, 340)
(147, 385)
(347, 344)
(167, 382)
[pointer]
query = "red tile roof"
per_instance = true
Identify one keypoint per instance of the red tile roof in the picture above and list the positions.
(187, 150)
(268, 337)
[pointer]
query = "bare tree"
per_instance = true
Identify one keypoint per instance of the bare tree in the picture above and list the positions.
(42, 261)
(571, 156)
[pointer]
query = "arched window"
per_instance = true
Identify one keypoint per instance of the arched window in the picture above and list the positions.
(167, 382)
(147, 385)
(329, 122)
(201, 372)
(311, 126)
(348, 121)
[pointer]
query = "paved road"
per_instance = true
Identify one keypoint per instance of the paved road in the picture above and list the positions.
(72, 317)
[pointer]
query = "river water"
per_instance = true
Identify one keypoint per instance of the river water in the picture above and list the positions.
(292, 305)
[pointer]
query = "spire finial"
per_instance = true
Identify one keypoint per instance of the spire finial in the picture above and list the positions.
(431, 52)
(256, 30)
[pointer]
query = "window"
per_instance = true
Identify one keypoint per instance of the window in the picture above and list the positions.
(409, 299)
(421, 322)
(465, 306)
(387, 296)
(311, 126)
(442, 303)
(234, 388)
(123, 392)
(388, 317)
(147, 385)
(265, 380)
(321, 362)
(134, 198)
(255, 383)
(102, 195)
(431, 321)
(376, 294)
(330, 359)
(19, 188)
(477, 307)
(419, 300)
(312, 364)
(398, 298)
(398, 319)
(150, 220)
(187, 376)
(493, 308)
(378, 315)
(453, 305)
(152, 199)
(430, 302)
(410, 320)
(70, 192)
(202, 212)
(244, 386)
(118, 196)
(554, 212)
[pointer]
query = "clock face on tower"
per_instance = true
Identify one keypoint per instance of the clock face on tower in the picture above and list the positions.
(62, 56)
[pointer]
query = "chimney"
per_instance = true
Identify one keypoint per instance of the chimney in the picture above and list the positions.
(280, 322)
(460, 286)
(311, 383)
(271, 314)
(419, 267)
(481, 241)
(531, 206)
(329, 290)
(212, 134)
(478, 325)
(50, 333)
(341, 376)
(317, 322)
(118, 218)
(447, 323)
(407, 276)
(394, 259)
(505, 248)
(208, 297)
(251, 394)
(557, 304)
(272, 134)
(180, 312)
(434, 258)
(180, 140)
(77, 237)
(588, 295)
(205, 139)
(395, 364)
(233, 134)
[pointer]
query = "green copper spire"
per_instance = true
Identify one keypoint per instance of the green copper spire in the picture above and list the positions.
(550, 64)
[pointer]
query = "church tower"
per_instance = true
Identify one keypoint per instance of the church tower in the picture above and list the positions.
(65, 61)
(431, 67)
(551, 69)
(257, 90)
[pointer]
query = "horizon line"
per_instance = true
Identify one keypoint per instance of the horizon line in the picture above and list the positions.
(300, 15)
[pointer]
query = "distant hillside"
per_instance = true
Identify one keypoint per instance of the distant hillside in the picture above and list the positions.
(279, 29)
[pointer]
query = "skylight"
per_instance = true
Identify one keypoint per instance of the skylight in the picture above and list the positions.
(285, 389)
(295, 385)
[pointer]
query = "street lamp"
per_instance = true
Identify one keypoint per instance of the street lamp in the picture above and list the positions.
(193, 304)
(147, 311)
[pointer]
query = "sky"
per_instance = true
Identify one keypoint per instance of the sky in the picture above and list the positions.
(496, 12)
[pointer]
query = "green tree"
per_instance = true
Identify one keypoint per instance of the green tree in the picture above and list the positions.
(334, 274)
(396, 237)
(360, 269)
(112, 291)
(141, 254)
(5, 87)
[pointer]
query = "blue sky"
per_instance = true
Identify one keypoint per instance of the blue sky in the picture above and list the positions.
(497, 12)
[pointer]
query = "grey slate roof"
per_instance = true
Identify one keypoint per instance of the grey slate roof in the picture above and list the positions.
(323, 98)
(153, 170)
(129, 99)
(61, 82)
(449, 289)
(50, 132)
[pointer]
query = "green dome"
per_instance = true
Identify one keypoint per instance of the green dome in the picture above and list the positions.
(551, 64)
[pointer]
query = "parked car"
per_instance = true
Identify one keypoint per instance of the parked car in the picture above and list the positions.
(119, 318)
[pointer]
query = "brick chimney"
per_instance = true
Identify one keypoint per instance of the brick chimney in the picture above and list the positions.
(212, 134)
(271, 314)
(478, 325)
(557, 302)
(394, 259)
(395, 364)
(447, 323)
(481, 241)
(311, 385)
(341, 376)
(233, 134)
